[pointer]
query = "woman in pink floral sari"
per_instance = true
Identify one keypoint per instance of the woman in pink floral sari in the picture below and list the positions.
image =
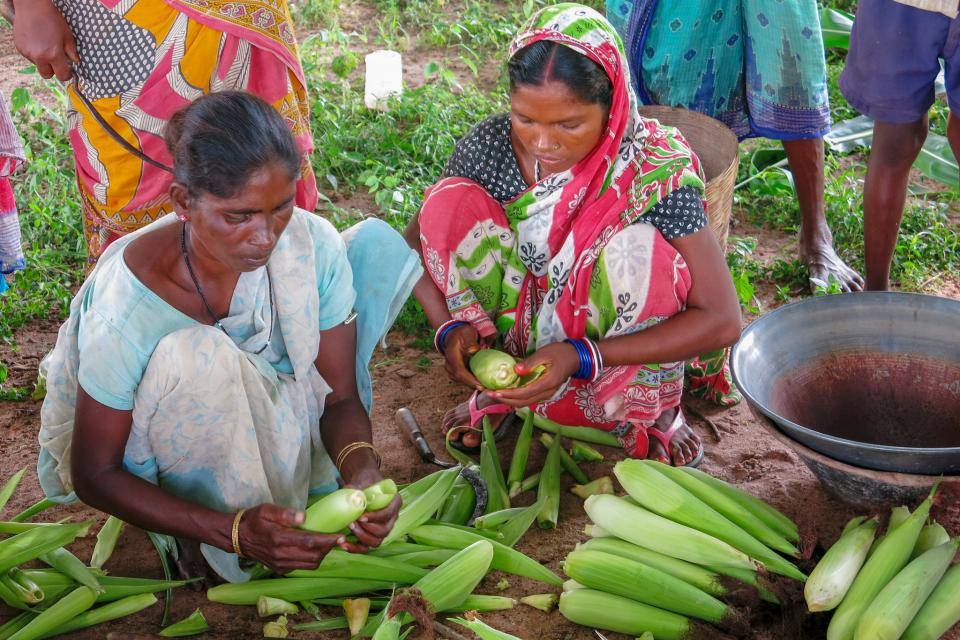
(571, 232)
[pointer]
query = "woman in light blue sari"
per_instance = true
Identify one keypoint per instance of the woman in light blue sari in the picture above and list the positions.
(214, 364)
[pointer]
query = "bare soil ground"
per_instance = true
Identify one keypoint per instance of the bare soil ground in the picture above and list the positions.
(747, 455)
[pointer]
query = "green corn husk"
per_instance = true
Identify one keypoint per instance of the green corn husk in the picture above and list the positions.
(23, 580)
(490, 534)
(9, 487)
(637, 581)
(28, 594)
(356, 611)
(341, 564)
(492, 473)
(831, 578)
(375, 603)
(595, 530)
(852, 524)
(16, 623)
(748, 577)
(582, 452)
(494, 369)
(898, 602)
(548, 492)
(482, 629)
(516, 527)
(496, 519)
(112, 587)
(112, 611)
(292, 589)
(71, 566)
(566, 461)
(483, 603)
(460, 504)
(704, 579)
(34, 509)
(646, 636)
(335, 511)
(932, 535)
(733, 510)
(190, 626)
(276, 629)
(941, 610)
(545, 602)
(886, 559)
(10, 527)
(65, 609)
(504, 558)
(647, 529)
(330, 624)
(527, 484)
(420, 508)
(521, 452)
(267, 606)
(603, 484)
(106, 542)
(898, 515)
(775, 520)
(584, 434)
(655, 492)
(388, 629)
(397, 549)
(572, 585)
(380, 494)
(425, 559)
(592, 608)
(28, 545)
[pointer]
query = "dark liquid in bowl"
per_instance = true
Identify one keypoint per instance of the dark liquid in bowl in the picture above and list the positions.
(891, 399)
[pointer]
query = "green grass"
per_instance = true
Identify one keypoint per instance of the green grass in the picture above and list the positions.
(393, 156)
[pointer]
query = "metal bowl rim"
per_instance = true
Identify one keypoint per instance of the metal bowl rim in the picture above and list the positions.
(778, 419)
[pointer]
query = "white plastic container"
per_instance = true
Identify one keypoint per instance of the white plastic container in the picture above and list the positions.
(384, 78)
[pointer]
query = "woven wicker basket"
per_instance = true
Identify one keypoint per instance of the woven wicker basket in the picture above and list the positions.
(716, 146)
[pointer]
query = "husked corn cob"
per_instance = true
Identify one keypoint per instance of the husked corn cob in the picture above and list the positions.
(891, 611)
(886, 559)
(831, 578)
(380, 494)
(641, 527)
(335, 511)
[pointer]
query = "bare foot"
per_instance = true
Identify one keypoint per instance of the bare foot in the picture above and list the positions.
(684, 445)
(457, 420)
(822, 261)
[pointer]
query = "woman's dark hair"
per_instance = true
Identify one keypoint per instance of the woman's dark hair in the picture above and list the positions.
(546, 60)
(220, 139)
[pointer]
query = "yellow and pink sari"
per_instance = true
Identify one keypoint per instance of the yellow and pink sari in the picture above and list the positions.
(141, 61)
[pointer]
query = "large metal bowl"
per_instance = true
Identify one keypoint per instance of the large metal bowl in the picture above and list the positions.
(871, 379)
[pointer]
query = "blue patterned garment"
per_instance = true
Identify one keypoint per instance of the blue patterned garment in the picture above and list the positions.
(756, 65)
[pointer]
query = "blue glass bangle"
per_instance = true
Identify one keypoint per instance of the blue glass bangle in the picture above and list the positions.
(586, 359)
(444, 330)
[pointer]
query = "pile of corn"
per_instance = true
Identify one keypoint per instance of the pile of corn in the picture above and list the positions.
(441, 563)
(661, 559)
(898, 586)
(66, 595)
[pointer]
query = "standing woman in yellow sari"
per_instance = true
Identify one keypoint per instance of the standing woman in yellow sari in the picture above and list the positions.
(131, 64)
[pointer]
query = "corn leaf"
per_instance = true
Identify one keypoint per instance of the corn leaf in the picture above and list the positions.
(9, 487)
(836, 26)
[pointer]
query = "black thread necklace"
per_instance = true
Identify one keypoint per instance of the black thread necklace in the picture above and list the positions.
(203, 298)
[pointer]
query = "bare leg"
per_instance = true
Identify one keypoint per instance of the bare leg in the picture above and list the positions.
(816, 241)
(895, 147)
(458, 421)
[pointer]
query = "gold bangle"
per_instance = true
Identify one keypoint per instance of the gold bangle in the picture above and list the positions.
(356, 446)
(235, 532)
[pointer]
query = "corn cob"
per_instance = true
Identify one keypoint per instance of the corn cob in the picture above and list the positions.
(582, 452)
(548, 492)
(492, 473)
(30, 544)
(831, 578)
(566, 461)
(504, 558)
(932, 535)
(9, 487)
(380, 494)
(521, 452)
(494, 369)
(704, 579)
(460, 504)
(106, 541)
(657, 493)
(585, 434)
(341, 564)
(637, 581)
(641, 527)
(482, 629)
(729, 507)
(418, 509)
(886, 559)
(292, 589)
(65, 609)
(190, 626)
(615, 613)
(112, 611)
(334, 512)
(545, 602)
(774, 519)
(891, 611)
(941, 610)
(267, 606)
(70, 565)
(431, 558)
(496, 519)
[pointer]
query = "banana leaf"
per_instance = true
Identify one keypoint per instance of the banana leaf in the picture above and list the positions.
(836, 26)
